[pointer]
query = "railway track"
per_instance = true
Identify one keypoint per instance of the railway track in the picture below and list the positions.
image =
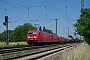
(2, 51)
(42, 52)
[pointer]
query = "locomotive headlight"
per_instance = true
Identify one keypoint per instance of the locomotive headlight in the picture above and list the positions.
(28, 36)
(35, 37)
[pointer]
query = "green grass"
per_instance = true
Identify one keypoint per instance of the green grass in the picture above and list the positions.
(32, 50)
(11, 54)
(13, 44)
(82, 52)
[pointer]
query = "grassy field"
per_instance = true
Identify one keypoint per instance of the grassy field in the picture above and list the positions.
(12, 44)
(80, 53)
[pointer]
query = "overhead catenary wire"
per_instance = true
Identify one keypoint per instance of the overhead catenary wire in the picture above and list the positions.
(66, 11)
(66, 8)
(28, 12)
(12, 16)
(46, 10)
(58, 11)
(5, 12)
(31, 7)
(55, 9)
(63, 13)
(17, 8)
(25, 6)
(21, 9)
(36, 6)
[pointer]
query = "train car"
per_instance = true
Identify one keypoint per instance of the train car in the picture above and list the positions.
(37, 36)
(66, 40)
(71, 40)
(51, 38)
(55, 39)
(76, 40)
(61, 39)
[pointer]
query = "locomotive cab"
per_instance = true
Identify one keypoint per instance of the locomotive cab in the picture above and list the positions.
(32, 36)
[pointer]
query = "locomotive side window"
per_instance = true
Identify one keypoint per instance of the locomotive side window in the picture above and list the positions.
(32, 33)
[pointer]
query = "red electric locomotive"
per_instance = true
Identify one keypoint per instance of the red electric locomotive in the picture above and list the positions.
(37, 36)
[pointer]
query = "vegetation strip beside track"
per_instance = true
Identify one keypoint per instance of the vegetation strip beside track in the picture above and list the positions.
(14, 52)
(21, 48)
(42, 50)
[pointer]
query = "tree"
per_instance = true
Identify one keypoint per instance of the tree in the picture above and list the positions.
(20, 32)
(47, 30)
(43, 28)
(83, 24)
(70, 36)
(3, 36)
(40, 28)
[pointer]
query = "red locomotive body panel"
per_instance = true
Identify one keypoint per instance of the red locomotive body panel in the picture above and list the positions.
(44, 37)
(51, 37)
(55, 38)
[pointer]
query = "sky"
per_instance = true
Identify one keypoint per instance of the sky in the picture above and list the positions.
(43, 13)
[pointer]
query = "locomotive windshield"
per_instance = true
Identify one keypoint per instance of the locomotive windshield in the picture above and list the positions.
(32, 33)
